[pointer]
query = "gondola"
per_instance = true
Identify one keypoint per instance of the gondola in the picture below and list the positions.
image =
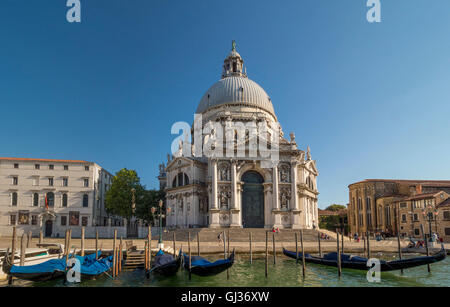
(360, 263)
(48, 270)
(202, 267)
(165, 264)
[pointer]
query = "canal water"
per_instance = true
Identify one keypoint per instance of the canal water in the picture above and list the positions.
(285, 273)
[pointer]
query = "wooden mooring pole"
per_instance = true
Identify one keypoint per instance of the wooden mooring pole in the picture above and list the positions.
(274, 249)
(426, 246)
(267, 254)
(338, 253)
(22, 250)
(120, 254)
(198, 244)
(82, 241)
(303, 254)
(114, 252)
(13, 252)
(41, 236)
(29, 238)
(174, 247)
(96, 244)
(320, 247)
(250, 242)
(228, 252)
(296, 247)
(342, 240)
(146, 256)
(149, 238)
(189, 250)
(365, 250)
(399, 246)
(368, 245)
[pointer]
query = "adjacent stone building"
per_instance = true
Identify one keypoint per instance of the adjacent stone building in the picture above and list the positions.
(52, 195)
(392, 206)
(240, 190)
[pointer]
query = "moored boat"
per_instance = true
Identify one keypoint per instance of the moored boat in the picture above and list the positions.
(360, 263)
(52, 269)
(202, 267)
(165, 264)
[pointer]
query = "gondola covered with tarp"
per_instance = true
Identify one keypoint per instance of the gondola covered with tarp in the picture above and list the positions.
(360, 263)
(165, 264)
(56, 268)
(202, 267)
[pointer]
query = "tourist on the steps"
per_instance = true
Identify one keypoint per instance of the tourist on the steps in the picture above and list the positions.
(219, 237)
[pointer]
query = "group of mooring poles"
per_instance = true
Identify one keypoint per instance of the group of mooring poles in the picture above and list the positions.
(117, 253)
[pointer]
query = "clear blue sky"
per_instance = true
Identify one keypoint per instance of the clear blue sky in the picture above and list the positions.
(372, 100)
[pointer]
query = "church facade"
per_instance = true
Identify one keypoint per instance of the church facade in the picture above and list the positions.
(235, 185)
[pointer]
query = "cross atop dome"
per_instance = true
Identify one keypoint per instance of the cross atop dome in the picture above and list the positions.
(234, 64)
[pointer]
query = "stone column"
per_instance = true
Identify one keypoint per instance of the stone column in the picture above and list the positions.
(276, 201)
(214, 184)
(215, 211)
(233, 186)
(294, 186)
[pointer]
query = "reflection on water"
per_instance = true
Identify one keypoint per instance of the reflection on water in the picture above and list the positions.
(285, 273)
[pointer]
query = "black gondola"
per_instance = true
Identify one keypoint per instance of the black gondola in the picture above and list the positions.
(360, 263)
(202, 267)
(165, 264)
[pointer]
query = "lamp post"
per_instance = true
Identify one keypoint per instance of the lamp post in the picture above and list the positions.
(429, 213)
(160, 204)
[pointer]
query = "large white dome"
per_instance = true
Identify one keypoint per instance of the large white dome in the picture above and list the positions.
(236, 90)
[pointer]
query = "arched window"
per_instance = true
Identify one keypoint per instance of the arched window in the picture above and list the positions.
(14, 199)
(180, 179)
(50, 199)
(174, 182)
(64, 200)
(186, 179)
(35, 199)
(85, 200)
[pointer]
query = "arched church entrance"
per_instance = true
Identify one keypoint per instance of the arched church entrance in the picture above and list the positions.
(253, 200)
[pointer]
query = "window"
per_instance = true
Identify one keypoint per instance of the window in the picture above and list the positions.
(15, 180)
(447, 231)
(50, 182)
(37, 166)
(24, 218)
(186, 179)
(14, 199)
(35, 199)
(85, 200)
(447, 215)
(403, 218)
(63, 220)
(86, 183)
(51, 166)
(66, 167)
(74, 218)
(174, 182)
(50, 199)
(64, 200)
(34, 220)
(16, 165)
(402, 205)
(84, 221)
(86, 167)
(416, 232)
(65, 182)
(369, 211)
(12, 219)
(416, 217)
(387, 216)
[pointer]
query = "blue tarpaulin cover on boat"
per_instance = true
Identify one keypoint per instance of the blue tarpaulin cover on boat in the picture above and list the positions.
(200, 261)
(97, 267)
(53, 265)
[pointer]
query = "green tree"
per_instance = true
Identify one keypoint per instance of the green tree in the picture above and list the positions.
(119, 197)
(150, 200)
(335, 207)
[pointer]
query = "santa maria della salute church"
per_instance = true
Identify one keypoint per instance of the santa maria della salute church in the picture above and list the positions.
(244, 190)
